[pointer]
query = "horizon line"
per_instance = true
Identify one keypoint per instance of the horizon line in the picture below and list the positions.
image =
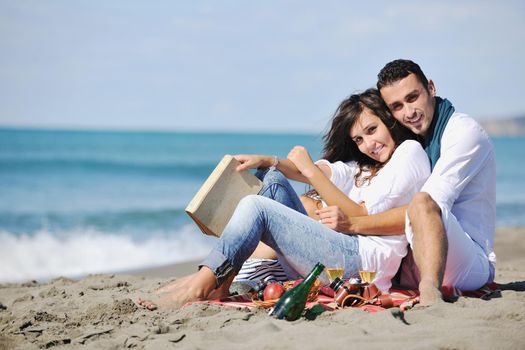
(158, 130)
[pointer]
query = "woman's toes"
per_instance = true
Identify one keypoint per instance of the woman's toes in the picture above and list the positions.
(146, 304)
(150, 306)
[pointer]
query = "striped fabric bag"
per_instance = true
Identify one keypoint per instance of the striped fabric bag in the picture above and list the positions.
(254, 270)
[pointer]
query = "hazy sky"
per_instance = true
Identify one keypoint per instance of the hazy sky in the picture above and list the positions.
(246, 65)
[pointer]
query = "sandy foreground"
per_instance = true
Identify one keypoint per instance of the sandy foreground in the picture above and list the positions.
(98, 312)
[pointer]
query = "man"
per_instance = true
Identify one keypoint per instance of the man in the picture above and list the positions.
(450, 224)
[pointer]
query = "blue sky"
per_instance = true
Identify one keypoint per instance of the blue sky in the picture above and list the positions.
(246, 65)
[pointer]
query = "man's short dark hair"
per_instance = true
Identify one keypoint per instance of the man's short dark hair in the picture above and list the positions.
(397, 70)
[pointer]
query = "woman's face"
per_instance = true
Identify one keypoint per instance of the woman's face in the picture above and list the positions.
(372, 137)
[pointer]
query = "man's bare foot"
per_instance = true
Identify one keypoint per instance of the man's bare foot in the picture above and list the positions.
(429, 293)
(407, 305)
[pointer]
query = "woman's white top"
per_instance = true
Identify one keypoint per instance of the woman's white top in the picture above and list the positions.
(393, 186)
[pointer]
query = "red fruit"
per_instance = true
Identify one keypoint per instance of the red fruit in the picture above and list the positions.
(273, 291)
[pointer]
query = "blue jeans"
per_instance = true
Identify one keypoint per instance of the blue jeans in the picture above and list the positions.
(300, 241)
(277, 187)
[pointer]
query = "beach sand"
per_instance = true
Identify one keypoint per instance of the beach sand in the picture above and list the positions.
(98, 312)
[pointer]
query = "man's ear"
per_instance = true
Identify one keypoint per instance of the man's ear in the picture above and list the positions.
(431, 88)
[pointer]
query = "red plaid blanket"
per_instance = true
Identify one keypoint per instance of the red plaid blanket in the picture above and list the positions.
(400, 298)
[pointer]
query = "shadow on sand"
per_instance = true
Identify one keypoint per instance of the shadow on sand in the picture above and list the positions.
(515, 286)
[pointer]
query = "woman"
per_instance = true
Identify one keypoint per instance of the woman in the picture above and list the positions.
(382, 171)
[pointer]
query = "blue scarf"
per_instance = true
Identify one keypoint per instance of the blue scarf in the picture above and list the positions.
(442, 113)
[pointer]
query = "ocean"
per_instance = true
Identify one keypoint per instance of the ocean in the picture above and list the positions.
(79, 202)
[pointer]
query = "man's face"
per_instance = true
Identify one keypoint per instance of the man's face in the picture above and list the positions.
(411, 103)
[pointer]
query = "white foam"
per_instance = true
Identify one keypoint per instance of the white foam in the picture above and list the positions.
(43, 255)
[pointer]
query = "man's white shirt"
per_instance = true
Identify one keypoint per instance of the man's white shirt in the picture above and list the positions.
(463, 180)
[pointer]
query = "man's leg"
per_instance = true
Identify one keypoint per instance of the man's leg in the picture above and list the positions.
(429, 245)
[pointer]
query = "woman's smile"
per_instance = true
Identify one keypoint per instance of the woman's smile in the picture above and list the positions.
(372, 137)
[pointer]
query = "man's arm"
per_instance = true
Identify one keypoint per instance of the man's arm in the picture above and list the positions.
(405, 173)
(382, 224)
(462, 154)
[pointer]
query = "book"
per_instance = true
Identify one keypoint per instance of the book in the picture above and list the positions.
(213, 205)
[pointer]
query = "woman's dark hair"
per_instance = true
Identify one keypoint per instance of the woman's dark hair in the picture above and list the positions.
(338, 144)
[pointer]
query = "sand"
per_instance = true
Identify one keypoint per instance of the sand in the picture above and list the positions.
(98, 312)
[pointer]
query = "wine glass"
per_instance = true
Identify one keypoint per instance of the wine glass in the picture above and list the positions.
(335, 266)
(367, 276)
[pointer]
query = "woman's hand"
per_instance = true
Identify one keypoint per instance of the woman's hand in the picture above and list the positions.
(302, 160)
(250, 161)
(334, 218)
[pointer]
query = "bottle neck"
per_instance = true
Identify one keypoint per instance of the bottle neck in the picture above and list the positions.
(315, 272)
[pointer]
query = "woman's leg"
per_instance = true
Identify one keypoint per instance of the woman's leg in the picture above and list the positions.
(277, 187)
(299, 241)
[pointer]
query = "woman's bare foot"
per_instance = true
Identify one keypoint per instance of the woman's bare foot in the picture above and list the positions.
(219, 293)
(173, 285)
(429, 293)
(175, 299)
(224, 290)
(147, 304)
(197, 287)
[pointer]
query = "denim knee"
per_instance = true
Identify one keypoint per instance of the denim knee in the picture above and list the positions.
(271, 176)
(277, 187)
(251, 204)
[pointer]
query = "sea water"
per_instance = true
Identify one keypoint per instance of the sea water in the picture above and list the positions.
(80, 202)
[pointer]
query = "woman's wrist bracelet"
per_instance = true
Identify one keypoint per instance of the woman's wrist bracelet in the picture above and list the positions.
(275, 162)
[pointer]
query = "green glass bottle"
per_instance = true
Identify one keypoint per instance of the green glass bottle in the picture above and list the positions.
(291, 305)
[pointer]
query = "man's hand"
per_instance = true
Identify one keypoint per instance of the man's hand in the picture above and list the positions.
(302, 160)
(334, 218)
